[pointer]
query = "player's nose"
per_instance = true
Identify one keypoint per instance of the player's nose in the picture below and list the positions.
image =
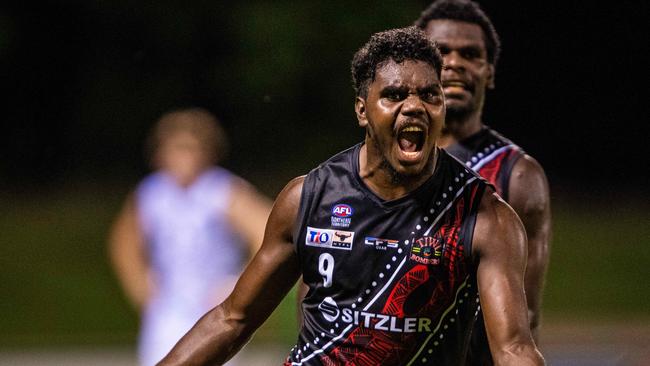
(412, 104)
(452, 61)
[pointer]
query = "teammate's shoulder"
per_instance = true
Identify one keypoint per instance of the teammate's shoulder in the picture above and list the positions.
(529, 188)
(526, 171)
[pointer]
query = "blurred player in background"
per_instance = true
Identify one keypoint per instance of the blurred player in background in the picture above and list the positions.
(470, 48)
(183, 236)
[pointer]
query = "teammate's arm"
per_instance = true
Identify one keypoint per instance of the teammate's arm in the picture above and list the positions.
(220, 333)
(126, 248)
(248, 212)
(528, 195)
(500, 246)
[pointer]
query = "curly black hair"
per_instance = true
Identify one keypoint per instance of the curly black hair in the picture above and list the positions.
(396, 44)
(466, 11)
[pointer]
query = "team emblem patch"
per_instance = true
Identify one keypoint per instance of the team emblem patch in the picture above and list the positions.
(327, 238)
(427, 250)
(342, 215)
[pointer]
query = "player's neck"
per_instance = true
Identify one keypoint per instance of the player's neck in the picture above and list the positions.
(458, 129)
(383, 183)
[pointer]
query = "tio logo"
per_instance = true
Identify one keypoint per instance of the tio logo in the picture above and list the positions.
(318, 237)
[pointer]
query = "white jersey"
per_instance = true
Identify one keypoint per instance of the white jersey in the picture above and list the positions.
(195, 256)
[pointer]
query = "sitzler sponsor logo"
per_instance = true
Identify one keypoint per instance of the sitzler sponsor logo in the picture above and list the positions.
(330, 311)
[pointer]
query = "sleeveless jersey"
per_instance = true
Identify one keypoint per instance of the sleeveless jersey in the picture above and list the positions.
(194, 255)
(390, 282)
(489, 154)
(492, 156)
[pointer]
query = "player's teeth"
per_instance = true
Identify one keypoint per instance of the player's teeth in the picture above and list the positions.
(412, 129)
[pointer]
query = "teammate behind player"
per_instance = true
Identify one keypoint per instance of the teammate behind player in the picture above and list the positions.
(470, 48)
(395, 239)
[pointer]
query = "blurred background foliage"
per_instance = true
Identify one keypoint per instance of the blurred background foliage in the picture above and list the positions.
(83, 81)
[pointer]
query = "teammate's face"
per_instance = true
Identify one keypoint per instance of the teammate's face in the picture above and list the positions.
(403, 114)
(467, 72)
(182, 155)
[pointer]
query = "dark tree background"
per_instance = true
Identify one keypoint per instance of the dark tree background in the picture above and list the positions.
(82, 82)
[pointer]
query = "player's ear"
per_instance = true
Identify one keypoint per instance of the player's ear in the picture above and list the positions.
(490, 80)
(360, 109)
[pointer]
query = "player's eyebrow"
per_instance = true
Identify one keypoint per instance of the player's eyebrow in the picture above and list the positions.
(431, 88)
(393, 89)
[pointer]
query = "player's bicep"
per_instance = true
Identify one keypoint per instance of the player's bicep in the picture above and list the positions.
(500, 243)
(274, 269)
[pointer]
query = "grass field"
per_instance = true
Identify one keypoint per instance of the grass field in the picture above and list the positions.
(57, 289)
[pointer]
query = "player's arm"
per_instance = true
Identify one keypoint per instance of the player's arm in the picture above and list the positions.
(529, 196)
(220, 333)
(248, 212)
(126, 248)
(500, 245)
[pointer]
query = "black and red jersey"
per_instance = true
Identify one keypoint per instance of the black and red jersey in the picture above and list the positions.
(489, 154)
(390, 282)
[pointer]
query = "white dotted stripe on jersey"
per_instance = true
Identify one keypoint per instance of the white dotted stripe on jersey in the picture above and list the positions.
(451, 202)
(442, 318)
(476, 164)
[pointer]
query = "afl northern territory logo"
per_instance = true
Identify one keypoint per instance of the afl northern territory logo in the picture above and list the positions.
(342, 215)
(427, 250)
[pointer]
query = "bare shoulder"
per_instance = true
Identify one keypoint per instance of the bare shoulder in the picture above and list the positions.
(498, 228)
(285, 208)
(290, 194)
(294, 187)
(528, 187)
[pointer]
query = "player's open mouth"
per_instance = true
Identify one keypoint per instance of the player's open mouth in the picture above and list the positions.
(411, 139)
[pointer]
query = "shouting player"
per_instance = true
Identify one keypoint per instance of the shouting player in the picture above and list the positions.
(395, 239)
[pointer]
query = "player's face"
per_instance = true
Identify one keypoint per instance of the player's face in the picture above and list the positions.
(467, 72)
(403, 115)
(182, 155)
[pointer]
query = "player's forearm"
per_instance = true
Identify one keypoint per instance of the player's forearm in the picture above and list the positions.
(213, 340)
(518, 354)
(133, 274)
(137, 288)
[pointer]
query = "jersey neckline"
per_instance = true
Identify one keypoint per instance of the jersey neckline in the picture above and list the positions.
(398, 202)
